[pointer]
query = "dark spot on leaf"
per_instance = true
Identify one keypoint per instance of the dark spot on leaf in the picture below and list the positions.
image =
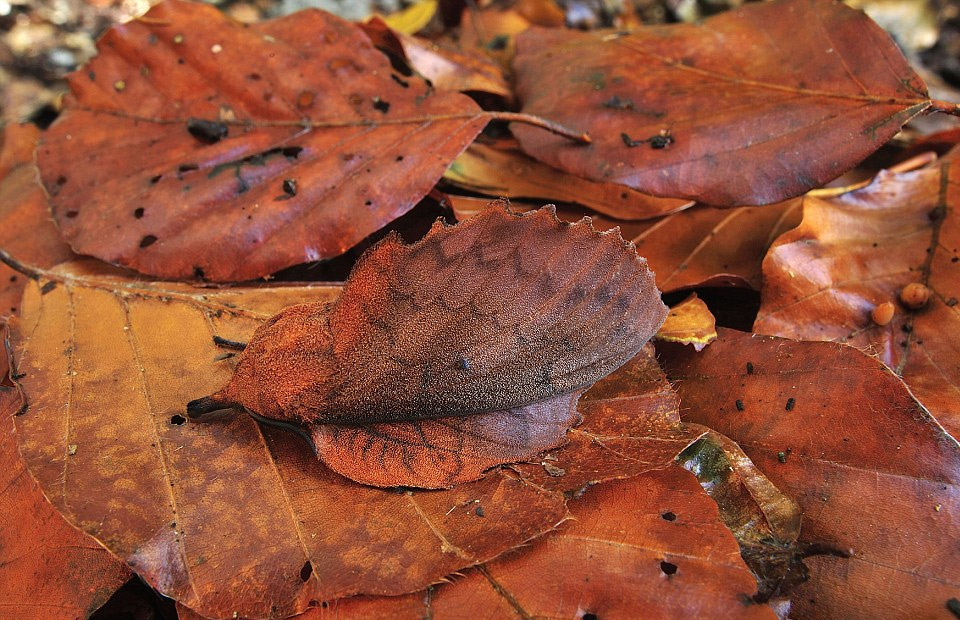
(48, 287)
(399, 158)
(668, 516)
(291, 152)
(208, 132)
(138, 212)
(198, 273)
(396, 78)
(72, 214)
(590, 616)
(381, 105)
(616, 103)
(498, 42)
(739, 405)
(290, 187)
(253, 76)
(368, 203)
(659, 141)
(147, 241)
(187, 168)
(155, 179)
(306, 571)
(479, 512)
(790, 403)
(668, 568)
(954, 606)
(177, 420)
(749, 368)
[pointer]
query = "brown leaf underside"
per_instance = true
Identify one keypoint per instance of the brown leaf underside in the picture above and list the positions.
(752, 106)
(875, 476)
(323, 148)
(823, 279)
(224, 516)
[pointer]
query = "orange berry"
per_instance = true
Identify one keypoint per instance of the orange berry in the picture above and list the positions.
(915, 295)
(882, 313)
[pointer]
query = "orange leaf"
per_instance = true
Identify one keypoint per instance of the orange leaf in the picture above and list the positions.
(48, 569)
(875, 476)
(649, 547)
(689, 322)
(228, 152)
(751, 106)
(861, 249)
(226, 516)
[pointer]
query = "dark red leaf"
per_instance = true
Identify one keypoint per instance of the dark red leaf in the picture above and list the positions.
(752, 106)
(228, 152)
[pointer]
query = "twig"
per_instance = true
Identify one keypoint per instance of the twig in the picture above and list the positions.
(946, 107)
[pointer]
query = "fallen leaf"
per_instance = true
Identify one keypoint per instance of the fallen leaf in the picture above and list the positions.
(860, 249)
(509, 173)
(227, 517)
(26, 230)
(706, 246)
(447, 67)
(229, 152)
(649, 547)
(752, 106)
(765, 521)
(874, 474)
(492, 32)
(689, 322)
(48, 570)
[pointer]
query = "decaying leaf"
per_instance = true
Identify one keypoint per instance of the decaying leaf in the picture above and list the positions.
(485, 318)
(48, 570)
(500, 172)
(226, 516)
(765, 521)
(228, 152)
(874, 474)
(749, 107)
(26, 230)
(689, 322)
(858, 250)
(649, 547)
